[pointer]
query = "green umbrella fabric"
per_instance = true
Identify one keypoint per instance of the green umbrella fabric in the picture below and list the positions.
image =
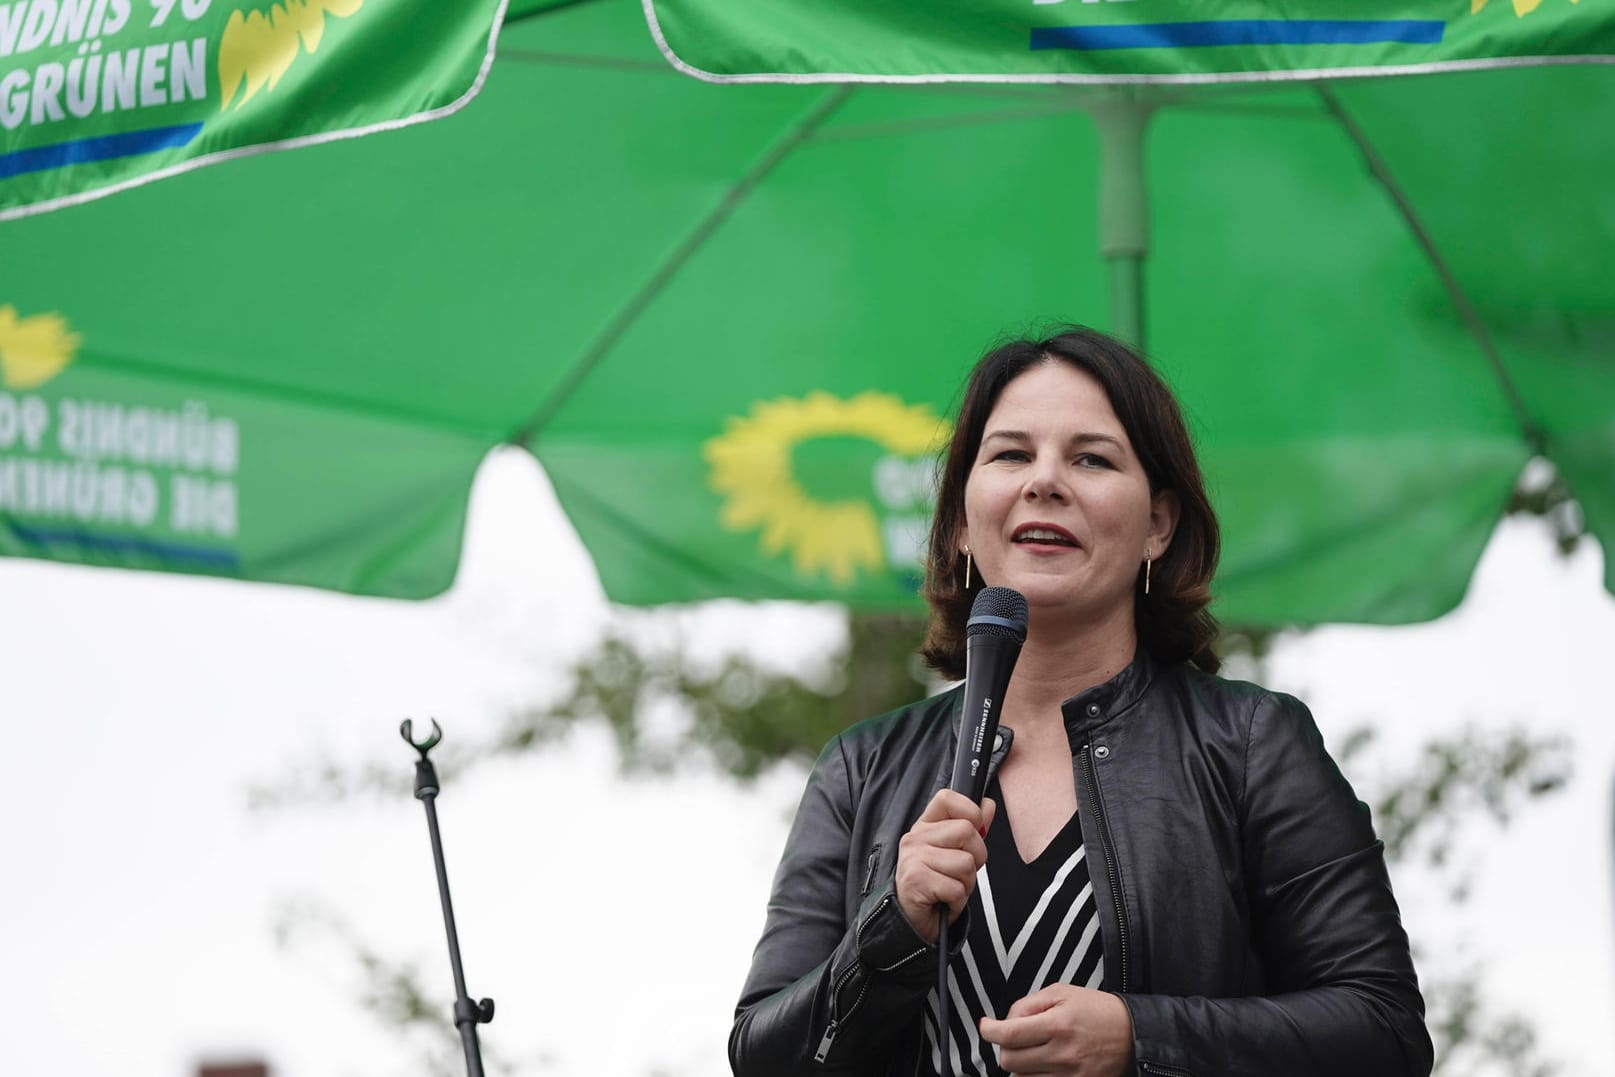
(1174, 41)
(97, 96)
(729, 321)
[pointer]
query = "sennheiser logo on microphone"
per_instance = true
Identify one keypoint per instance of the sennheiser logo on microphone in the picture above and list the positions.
(980, 738)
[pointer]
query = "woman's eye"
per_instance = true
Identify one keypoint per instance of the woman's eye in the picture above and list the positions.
(1011, 454)
(1089, 459)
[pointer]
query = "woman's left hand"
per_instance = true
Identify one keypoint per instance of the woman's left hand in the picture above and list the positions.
(1064, 1030)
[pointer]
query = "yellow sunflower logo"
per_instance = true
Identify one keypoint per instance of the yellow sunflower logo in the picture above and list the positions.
(257, 49)
(33, 350)
(751, 466)
(1522, 8)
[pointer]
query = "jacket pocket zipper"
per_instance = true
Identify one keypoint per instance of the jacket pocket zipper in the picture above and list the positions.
(1107, 849)
(1168, 1071)
(869, 872)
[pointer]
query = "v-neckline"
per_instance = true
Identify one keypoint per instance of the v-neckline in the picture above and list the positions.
(1039, 864)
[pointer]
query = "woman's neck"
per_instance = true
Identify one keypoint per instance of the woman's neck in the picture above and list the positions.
(1060, 661)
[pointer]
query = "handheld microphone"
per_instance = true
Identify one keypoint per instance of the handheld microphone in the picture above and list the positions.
(993, 637)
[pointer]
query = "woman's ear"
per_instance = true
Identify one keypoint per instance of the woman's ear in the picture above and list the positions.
(1164, 511)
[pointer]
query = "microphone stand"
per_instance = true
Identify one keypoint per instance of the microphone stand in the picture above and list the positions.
(467, 1015)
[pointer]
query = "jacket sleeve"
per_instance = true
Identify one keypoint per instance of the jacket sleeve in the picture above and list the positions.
(824, 996)
(1342, 997)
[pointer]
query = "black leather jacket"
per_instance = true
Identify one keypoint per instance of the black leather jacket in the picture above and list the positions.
(1247, 919)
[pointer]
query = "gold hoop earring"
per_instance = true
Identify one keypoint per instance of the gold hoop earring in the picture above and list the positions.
(1146, 571)
(967, 568)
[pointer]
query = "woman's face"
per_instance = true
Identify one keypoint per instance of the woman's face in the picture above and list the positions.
(1057, 506)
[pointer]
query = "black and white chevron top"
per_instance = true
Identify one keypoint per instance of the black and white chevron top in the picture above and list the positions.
(1031, 925)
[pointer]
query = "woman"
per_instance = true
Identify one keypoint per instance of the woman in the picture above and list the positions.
(1177, 878)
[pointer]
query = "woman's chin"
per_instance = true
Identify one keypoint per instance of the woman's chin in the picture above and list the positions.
(1068, 605)
(1046, 588)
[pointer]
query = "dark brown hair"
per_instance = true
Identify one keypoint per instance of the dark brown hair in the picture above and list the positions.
(1172, 620)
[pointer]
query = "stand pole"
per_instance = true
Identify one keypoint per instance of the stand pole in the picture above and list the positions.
(467, 1015)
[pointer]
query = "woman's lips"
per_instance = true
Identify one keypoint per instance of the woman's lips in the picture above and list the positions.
(1044, 534)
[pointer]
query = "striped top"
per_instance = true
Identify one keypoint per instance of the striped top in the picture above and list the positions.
(1031, 925)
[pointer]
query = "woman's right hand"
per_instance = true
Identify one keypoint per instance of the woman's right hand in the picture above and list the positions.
(938, 858)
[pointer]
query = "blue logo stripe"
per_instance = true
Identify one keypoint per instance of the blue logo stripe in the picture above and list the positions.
(1187, 35)
(101, 148)
(172, 552)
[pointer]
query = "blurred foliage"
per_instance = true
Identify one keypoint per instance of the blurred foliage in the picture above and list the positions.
(1541, 491)
(390, 992)
(1452, 780)
(1471, 1037)
(744, 717)
(326, 781)
(1424, 809)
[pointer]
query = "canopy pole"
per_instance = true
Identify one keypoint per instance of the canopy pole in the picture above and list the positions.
(1124, 227)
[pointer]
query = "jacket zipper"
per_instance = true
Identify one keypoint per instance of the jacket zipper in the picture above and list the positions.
(835, 1022)
(1112, 876)
(823, 1050)
(1106, 847)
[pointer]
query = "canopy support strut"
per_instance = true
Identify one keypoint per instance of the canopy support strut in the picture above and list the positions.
(1529, 427)
(801, 131)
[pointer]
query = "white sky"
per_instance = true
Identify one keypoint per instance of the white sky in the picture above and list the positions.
(611, 920)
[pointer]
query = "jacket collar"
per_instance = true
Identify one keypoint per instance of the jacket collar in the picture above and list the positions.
(1084, 711)
(1095, 706)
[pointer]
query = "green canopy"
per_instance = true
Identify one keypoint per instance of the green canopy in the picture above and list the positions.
(1094, 41)
(98, 96)
(730, 321)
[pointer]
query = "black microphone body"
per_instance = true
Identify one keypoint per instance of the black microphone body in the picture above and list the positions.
(993, 638)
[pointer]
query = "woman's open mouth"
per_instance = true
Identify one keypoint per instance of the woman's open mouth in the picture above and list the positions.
(1043, 535)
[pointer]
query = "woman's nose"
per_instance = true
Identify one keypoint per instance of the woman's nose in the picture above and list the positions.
(1045, 484)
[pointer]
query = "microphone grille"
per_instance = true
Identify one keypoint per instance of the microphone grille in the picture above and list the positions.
(998, 611)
